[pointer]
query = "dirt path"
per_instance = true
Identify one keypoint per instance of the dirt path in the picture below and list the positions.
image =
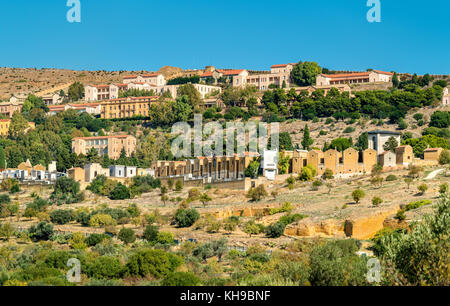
(433, 174)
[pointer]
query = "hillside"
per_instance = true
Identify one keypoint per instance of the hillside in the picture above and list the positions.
(336, 128)
(19, 81)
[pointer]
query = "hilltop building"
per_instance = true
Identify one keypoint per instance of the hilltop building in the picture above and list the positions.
(446, 97)
(354, 78)
(8, 108)
(105, 145)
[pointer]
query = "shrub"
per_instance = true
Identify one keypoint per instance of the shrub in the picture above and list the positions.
(258, 193)
(415, 205)
(154, 262)
(94, 239)
(443, 188)
(61, 216)
(14, 189)
(288, 219)
(150, 233)
(358, 194)
(78, 241)
(444, 157)
(275, 230)
(181, 279)
(105, 267)
(422, 188)
(307, 173)
(101, 220)
(4, 199)
(286, 207)
(252, 228)
(57, 259)
(186, 217)
(328, 174)
(391, 178)
(42, 231)
(179, 185)
(127, 235)
(376, 201)
(400, 216)
(316, 184)
(349, 129)
(120, 192)
(336, 264)
(165, 238)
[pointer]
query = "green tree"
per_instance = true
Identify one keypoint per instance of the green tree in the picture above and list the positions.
(395, 80)
(76, 91)
(177, 279)
(2, 158)
(42, 231)
(105, 267)
(205, 198)
(304, 73)
(391, 144)
(257, 194)
(120, 192)
(186, 217)
(357, 195)
(193, 96)
(157, 263)
(150, 233)
(307, 140)
(252, 169)
(127, 235)
(18, 125)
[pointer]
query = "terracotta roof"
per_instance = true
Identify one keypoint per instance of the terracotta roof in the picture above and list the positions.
(130, 76)
(101, 137)
(150, 75)
(433, 149)
(354, 74)
(281, 65)
(224, 72)
(383, 72)
(346, 75)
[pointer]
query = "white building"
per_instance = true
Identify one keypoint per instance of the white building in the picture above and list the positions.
(270, 164)
(155, 79)
(446, 97)
(378, 138)
(372, 76)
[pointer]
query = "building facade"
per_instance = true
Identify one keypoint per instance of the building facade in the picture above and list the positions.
(8, 108)
(378, 138)
(126, 107)
(90, 108)
(155, 79)
(373, 76)
(105, 145)
(446, 97)
(6, 123)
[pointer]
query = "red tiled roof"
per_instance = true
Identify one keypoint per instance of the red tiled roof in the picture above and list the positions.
(150, 75)
(432, 149)
(345, 75)
(99, 86)
(227, 72)
(354, 74)
(383, 72)
(101, 137)
(130, 76)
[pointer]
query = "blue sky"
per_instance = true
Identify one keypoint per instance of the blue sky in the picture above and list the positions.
(413, 35)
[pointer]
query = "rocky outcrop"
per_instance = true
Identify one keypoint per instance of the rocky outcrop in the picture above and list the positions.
(365, 227)
(309, 228)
